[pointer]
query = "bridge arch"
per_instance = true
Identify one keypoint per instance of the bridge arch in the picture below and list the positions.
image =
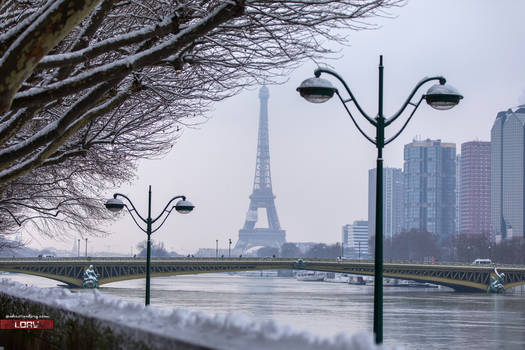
(64, 279)
(460, 277)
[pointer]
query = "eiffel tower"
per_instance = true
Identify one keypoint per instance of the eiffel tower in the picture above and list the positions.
(262, 196)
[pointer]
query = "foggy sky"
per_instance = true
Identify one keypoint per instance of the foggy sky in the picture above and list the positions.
(319, 161)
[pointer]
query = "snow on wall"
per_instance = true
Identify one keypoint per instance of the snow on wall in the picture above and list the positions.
(218, 332)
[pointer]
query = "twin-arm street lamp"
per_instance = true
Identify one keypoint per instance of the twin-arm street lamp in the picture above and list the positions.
(438, 96)
(182, 206)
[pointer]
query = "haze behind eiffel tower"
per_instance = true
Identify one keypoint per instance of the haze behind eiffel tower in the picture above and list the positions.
(262, 196)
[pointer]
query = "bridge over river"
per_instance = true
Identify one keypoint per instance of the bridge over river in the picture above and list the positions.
(460, 277)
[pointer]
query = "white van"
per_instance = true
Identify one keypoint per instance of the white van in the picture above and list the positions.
(482, 262)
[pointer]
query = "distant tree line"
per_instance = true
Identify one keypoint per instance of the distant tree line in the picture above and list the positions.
(509, 251)
(416, 245)
(157, 250)
(419, 246)
(290, 250)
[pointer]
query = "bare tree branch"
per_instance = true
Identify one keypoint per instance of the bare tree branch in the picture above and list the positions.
(38, 39)
(88, 88)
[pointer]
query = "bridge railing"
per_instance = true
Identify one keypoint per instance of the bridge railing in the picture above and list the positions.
(244, 259)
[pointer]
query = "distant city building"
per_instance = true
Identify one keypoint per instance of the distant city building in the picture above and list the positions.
(457, 191)
(344, 239)
(355, 240)
(507, 176)
(474, 188)
(392, 202)
(429, 187)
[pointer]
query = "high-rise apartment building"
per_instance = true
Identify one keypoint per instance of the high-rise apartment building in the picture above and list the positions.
(392, 202)
(429, 187)
(507, 176)
(355, 239)
(474, 188)
(457, 192)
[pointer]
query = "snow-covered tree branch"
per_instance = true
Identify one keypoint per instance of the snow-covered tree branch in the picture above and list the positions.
(89, 87)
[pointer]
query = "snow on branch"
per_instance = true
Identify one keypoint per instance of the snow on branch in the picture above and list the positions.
(36, 41)
(90, 87)
(125, 66)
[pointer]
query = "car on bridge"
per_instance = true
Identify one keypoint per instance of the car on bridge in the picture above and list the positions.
(482, 262)
(46, 256)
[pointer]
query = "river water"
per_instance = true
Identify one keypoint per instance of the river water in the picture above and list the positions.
(414, 318)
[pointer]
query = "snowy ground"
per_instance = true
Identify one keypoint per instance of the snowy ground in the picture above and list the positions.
(220, 332)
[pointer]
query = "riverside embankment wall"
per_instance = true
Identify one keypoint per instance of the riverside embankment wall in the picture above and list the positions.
(73, 330)
(91, 320)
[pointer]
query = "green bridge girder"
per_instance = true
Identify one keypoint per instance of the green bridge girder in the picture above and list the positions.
(461, 277)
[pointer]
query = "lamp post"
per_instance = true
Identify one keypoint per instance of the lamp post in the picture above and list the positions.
(182, 206)
(78, 248)
(216, 249)
(229, 246)
(86, 247)
(438, 96)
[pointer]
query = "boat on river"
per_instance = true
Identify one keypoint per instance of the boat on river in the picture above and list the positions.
(310, 276)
